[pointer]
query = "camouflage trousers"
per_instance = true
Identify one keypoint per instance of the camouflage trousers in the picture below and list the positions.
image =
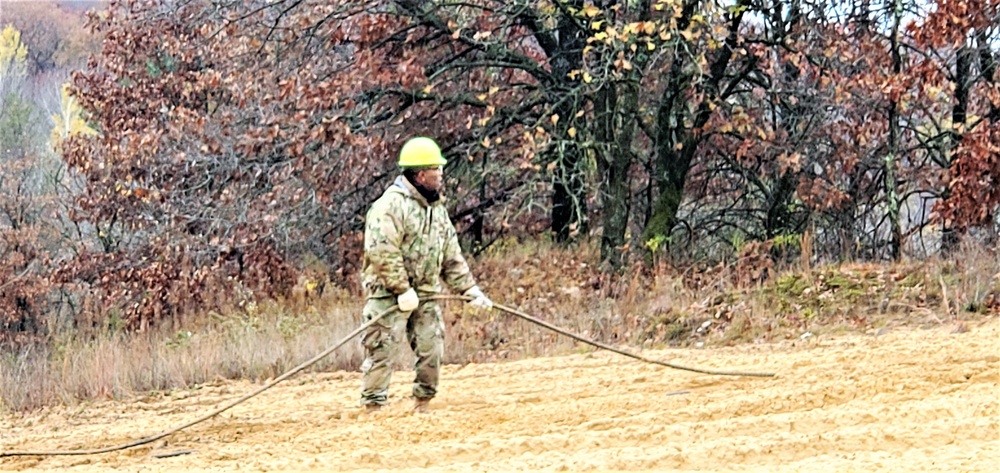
(424, 329)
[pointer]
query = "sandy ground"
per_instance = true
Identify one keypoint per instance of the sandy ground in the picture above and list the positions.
(906, 400)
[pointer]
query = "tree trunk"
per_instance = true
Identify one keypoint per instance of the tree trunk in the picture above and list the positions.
(963, 82)
(891, 184)
(672, 176)
(778, 218)
(616, 108)
(676, 143)
(569, 204)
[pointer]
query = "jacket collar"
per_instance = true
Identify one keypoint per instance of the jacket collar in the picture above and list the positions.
(407, 188)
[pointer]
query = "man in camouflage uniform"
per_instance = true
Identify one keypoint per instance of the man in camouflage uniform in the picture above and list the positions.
(410, 243)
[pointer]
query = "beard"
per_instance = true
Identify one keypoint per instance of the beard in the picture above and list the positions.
(431, 195)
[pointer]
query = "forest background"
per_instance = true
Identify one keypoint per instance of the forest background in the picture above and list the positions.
(183, 183)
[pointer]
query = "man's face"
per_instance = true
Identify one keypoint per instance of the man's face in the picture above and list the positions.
(431, 178)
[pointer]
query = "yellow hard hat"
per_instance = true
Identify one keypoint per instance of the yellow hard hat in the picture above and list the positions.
(420, 152)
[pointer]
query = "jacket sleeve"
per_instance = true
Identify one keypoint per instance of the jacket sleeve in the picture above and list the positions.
(454, 268)
(383, 245)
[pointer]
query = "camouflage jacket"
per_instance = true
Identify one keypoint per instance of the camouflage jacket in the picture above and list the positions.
(410, 243)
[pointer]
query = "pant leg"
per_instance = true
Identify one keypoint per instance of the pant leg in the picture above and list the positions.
(381, 343)
(425, 331)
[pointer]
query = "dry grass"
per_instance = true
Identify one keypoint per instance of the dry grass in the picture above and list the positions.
(258, 343)
(560, 285)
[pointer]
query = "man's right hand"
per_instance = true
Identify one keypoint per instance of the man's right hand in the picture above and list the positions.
(408, 301)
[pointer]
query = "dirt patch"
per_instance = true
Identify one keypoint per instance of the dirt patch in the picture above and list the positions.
(901, 400)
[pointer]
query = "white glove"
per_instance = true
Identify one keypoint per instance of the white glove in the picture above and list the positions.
(408, 301)
(480, 300)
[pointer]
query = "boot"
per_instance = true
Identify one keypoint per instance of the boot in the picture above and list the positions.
(421, 405)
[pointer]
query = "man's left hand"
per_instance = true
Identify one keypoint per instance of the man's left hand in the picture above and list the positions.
(479, 299)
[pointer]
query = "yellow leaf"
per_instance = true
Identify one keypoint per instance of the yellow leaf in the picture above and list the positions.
(590, 11)
(486, 142)
(650, 46)
(554, 118)
(587, 78)
(571, 132)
